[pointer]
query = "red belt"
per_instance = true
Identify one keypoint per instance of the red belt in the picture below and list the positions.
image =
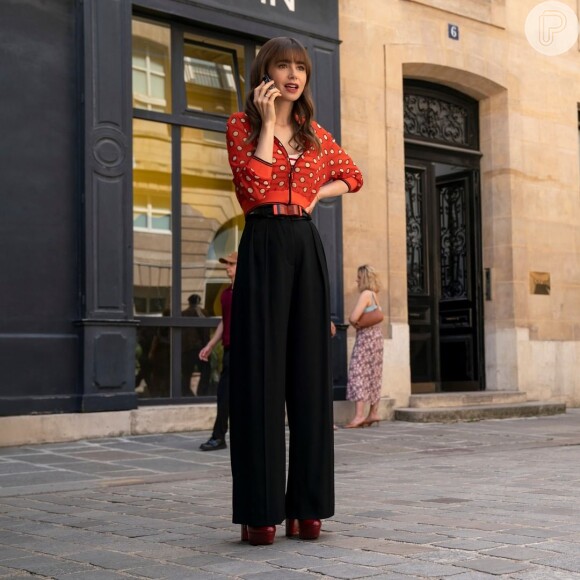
(288, 209)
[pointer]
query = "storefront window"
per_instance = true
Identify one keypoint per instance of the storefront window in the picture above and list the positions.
(185, 213)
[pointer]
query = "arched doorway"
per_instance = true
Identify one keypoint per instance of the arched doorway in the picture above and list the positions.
(443, 210)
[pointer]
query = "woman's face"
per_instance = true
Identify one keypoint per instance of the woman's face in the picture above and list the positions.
(289, 77)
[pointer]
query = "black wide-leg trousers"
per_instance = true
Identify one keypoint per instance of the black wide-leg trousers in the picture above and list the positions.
(280, 357)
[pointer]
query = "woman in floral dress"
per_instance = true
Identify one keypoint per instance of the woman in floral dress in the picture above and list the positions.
(366, 364)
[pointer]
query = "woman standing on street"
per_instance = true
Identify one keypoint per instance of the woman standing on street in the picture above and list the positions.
(283, 163)
(365, 373)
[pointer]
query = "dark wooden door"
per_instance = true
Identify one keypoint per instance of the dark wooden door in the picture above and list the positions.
(459, 281)
(444, 275)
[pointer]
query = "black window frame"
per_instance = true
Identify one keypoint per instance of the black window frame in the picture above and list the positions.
(179, 117)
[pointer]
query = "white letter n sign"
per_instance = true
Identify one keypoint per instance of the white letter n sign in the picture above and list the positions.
(289, 4)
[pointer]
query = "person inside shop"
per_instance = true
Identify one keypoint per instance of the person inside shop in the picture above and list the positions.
(222, 332)
(192, 341)
(160, 361)
(283, 163)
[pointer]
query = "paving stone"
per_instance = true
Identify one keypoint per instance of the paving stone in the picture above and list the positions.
(540, 532)
(109, 559)
(520, 553)
(570, 563)
(427, 569)
(41, 477)
(544, 574)
(495, 565)
(92, 575)
(46, 565)
(163, 571)
(475, 576)
(239, 568)
(345, 571)
(297, 562)
(11, 553)
(471, 545)
(17, 467)
(282, 575)
(369, 558)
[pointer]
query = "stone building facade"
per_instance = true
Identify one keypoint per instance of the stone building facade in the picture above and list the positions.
(406, 65)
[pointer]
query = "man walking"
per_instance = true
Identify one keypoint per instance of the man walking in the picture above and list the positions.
(218, 437)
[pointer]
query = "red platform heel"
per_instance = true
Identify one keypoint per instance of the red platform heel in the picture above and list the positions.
(309, 529)
(245, 537)
(291, 527)
(261, 535)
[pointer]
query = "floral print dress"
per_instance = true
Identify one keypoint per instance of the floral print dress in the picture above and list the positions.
(365, 372)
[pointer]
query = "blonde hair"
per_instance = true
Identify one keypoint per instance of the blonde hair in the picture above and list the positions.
(369, 279)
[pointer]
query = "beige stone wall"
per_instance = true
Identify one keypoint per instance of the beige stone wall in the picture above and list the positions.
(529, 175)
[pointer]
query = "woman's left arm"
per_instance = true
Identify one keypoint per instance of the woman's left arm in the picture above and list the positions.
(343, 174)
(363, 301)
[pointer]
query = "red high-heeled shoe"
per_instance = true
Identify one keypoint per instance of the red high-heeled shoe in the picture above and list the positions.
(291, 527)
(304, 529)
(258, 535)
(309, 529)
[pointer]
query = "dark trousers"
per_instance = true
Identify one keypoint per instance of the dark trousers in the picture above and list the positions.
(220, 426)
(280, 357)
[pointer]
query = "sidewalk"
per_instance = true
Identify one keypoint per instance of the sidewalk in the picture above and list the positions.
(466, 501)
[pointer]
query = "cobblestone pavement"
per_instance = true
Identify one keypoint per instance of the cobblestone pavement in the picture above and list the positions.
(466, 501)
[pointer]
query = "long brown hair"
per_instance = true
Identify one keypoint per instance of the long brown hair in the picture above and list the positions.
(273, 51)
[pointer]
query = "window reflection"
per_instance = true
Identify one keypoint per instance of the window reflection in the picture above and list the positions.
(151, 217)
(151, 66)
(211, 82)
(153, 361)
(211, 221)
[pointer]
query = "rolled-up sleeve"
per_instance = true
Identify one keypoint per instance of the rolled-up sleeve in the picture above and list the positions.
(251, 175)
(339, 163)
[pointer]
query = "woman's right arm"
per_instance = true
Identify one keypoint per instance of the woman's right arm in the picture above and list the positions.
(251, 174)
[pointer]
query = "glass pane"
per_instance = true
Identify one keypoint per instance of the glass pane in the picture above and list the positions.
(151, 66)
(153, 362)
(211, 218)
(196, 374)
(209, 75)
(157, 87)
(161, 222)
(152, 217)
(139, 82)
(211, 226)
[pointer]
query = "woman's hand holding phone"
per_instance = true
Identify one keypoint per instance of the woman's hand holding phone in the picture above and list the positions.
(264, 96)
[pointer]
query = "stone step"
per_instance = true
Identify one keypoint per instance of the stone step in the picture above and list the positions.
(466, 398)
(478, 412)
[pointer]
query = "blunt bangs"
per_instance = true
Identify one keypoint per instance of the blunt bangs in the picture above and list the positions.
(284, 49)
